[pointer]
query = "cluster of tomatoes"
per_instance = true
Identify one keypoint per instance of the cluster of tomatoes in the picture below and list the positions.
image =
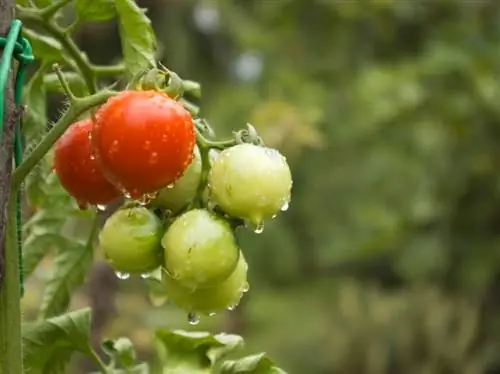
(184, 198)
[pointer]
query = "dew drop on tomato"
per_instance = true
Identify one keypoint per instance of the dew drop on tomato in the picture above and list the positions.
(122, 276)
(193, 319)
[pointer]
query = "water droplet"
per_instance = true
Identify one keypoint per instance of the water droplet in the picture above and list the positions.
(171, 185)
(232, 307)
(153, 158)
(92, 157)
(246, 287)
(274, 216)
(82, 205)
(285, 206)
(114, 147)
(101, 207)
(147, 145)
(121, 275)
(211, 314)
(193, 319)
(259, 229)
(127, 194)
(90, 136)
(145, 275)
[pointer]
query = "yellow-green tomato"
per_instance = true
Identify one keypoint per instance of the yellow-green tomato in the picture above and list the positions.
(131, 240)
(225, 295)
(200, 249)
(250, 182)
(176, 197)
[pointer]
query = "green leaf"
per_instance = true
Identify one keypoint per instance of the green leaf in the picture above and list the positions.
(121, 350)
(69, 270)
(193, 352)
(49, 345)
(35, 115)
(95, 10)
(255, 364)
(137, 37)
(44, 47)
(75, 81)
(37, 246)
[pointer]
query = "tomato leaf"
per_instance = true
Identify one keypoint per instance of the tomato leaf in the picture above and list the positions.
(44, 47)
(69, 270)
(95, 10)
(255, 364)
(75, 81)
(36, 247)
(121, 350)
(194, 352)
(137, 37)
(35, 114)
(49, 344)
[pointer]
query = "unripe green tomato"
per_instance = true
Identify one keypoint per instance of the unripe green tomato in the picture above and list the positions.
(200, 249)
(176, 197)
(251, 182)
(225, 295)
(131, 240)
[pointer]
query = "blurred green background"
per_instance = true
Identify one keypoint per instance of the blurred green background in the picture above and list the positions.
(388, 260)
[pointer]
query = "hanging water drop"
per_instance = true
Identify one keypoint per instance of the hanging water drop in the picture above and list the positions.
(259, 229)
(122, 275)
(246, 287)
(171, 185)
(101, 207)
(193, 319)
(285, 206)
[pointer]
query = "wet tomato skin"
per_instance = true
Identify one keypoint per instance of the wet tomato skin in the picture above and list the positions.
(77, 169)
(143, 140)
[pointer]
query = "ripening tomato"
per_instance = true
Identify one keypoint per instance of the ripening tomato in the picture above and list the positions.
(250, 182)
(200, 249)
(131, 240)
(225, 295)
(143, 140)
(78, 171)
(183, 191)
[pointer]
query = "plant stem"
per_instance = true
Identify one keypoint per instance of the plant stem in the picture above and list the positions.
(52, 9)
(100, 70)
(33, 16)
(10, 313)
(79, 106)
(102, 366)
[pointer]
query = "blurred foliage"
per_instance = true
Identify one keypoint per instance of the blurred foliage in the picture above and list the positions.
(388, 113)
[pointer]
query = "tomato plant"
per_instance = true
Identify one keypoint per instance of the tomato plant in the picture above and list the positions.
(164, 198)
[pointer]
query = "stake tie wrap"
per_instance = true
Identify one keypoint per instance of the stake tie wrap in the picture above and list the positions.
(14, 47)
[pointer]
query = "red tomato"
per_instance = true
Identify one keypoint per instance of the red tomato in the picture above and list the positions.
(77, 168)
(143, 140)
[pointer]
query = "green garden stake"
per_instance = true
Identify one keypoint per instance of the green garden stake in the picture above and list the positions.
(14, 47)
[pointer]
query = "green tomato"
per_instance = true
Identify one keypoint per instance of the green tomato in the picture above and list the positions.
(131, 240)
(200, 249)
(225, 295)
(251, 182)
(176, 197)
